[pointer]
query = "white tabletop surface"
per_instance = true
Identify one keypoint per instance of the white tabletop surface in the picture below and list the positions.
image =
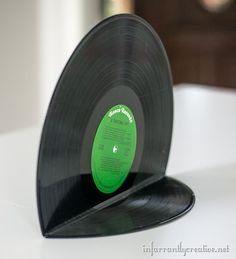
(203, 156)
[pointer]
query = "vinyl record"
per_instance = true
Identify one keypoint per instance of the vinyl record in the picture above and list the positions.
(106, 138)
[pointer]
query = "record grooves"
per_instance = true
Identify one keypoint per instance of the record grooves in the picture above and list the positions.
(106, 137)
(121, 216)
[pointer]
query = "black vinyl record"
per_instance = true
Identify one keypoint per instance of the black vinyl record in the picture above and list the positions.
(106, 137)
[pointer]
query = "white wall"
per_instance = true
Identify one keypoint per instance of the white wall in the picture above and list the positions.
(19, 105)
(36, 39)
(62, 24)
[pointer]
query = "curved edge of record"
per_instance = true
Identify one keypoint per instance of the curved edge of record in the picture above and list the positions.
(159, 203)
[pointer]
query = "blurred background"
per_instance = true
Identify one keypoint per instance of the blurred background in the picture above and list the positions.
(38, 36)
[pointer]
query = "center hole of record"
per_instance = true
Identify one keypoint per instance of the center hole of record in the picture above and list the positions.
(114, 148)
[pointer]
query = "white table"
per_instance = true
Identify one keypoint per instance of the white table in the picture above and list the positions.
(203, 155)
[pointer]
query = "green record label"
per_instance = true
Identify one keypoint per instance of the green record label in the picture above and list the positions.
(113, 148)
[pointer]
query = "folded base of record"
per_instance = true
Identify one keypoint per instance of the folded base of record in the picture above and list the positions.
(156, 204)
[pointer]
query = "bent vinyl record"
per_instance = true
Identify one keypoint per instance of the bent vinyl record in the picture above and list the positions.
(106, 137)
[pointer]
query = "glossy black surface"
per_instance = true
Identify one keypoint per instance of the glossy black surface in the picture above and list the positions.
(123, 61)
(156, 204)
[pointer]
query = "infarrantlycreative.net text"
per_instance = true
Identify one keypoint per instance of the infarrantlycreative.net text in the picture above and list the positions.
(152, 249)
